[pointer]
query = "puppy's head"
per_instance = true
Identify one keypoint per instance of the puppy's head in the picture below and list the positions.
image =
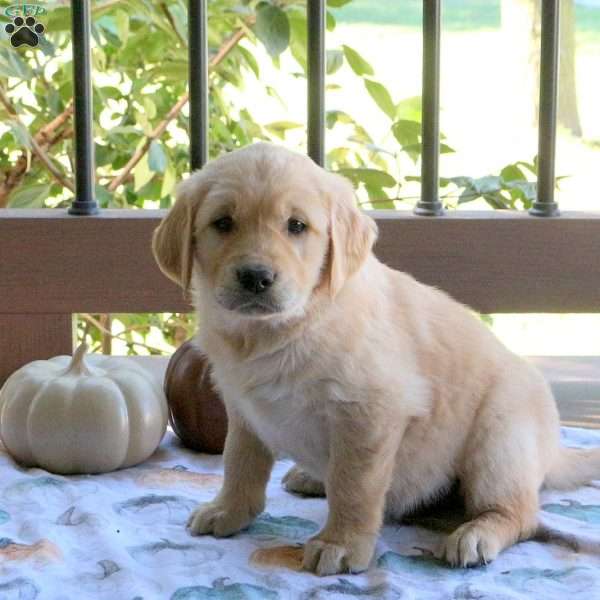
(265, 229)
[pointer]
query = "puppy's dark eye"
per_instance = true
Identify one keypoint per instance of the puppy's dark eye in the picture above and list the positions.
(295, 226)
(223, 225)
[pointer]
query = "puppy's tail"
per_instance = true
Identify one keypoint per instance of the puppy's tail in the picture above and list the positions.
(573, 467)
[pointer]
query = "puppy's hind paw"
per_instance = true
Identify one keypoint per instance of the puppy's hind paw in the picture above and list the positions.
(297, 481)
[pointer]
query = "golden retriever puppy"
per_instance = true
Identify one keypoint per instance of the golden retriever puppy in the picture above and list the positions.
(383, 390)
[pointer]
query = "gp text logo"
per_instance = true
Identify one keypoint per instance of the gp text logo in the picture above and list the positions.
(24, 10)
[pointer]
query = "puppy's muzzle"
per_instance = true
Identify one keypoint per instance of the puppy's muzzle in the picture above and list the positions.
(256, 279)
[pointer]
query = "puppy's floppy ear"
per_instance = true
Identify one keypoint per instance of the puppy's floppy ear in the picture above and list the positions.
(352, 234)
(173, 240)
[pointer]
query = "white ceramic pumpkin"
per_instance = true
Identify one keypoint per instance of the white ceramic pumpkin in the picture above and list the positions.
(82, 415)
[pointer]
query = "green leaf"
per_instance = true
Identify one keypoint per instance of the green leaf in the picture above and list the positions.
(468, 195)
(98, 59)
(531, 167)
(122, 21)
(335, 59)
(59, 19)
(338, 155)
(103, 196)
(409, 109)
(406, 132)
(378, 197)
(157, 159)
(20, 133)
(12, 65)
(173, 71)
(142, 174)
(298, 39)
(272, 28)
(103, 155)
(357, 63)
(330, 21)
(528, 189)
(250, 60)
(337, 3)
(488, 184)
(337, 116)
(108, 91)
(29, 196)
(496, 200)
(179, 15)
(150, 107)
(371, 177)
(271, 91)
(413, 151)
(445, 149)
(512, 173)
(459, 181)
(279, 128)
(168, 182)
(381, 96)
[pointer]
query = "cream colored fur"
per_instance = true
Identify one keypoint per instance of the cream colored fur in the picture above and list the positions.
(383, 390)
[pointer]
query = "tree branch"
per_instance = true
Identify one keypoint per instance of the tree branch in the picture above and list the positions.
(224, 50)
(13, 177)
(45, 137)
(169, 18)
(36, 143)
(119, 336)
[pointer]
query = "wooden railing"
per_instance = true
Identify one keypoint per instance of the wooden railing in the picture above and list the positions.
(53, 265)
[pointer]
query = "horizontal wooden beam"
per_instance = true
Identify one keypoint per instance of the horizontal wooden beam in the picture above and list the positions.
(24, 338)
(56, 262)
(494, 261)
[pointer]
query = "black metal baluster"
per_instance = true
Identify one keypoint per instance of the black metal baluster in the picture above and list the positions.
(429, 204)
(316, 80)
(84, 202)
(545, 206)
(198, 82)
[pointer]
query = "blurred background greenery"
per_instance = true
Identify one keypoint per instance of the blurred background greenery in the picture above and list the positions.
(257, 90)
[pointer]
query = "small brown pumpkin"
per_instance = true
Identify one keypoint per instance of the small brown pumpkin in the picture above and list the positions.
(196, 411)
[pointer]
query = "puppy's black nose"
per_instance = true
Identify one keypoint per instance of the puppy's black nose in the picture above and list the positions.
(255, 278)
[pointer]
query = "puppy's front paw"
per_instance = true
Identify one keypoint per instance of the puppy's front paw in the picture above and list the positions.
(218, 519)
(326, 557)
(470, 545)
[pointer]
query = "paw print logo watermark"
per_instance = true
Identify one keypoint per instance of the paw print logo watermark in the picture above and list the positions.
(24, 28)
(24, 31)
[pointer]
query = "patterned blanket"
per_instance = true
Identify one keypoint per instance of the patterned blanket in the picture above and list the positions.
(121, 536)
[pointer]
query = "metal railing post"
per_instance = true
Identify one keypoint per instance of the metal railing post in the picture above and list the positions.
(84, 202)
(429, 204)
(198, 82)
(544, 205)
(316, 80)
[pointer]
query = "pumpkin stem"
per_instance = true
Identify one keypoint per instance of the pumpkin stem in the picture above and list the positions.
(77, 364)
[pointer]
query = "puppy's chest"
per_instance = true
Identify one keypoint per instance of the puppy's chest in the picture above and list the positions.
(290, 418)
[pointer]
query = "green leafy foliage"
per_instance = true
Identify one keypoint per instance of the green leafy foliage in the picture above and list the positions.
(381, 96)
(357, 63)
(272, 28)
(372, 177)
(30, 196)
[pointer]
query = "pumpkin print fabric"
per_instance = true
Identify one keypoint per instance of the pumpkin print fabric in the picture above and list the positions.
(122, 535)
